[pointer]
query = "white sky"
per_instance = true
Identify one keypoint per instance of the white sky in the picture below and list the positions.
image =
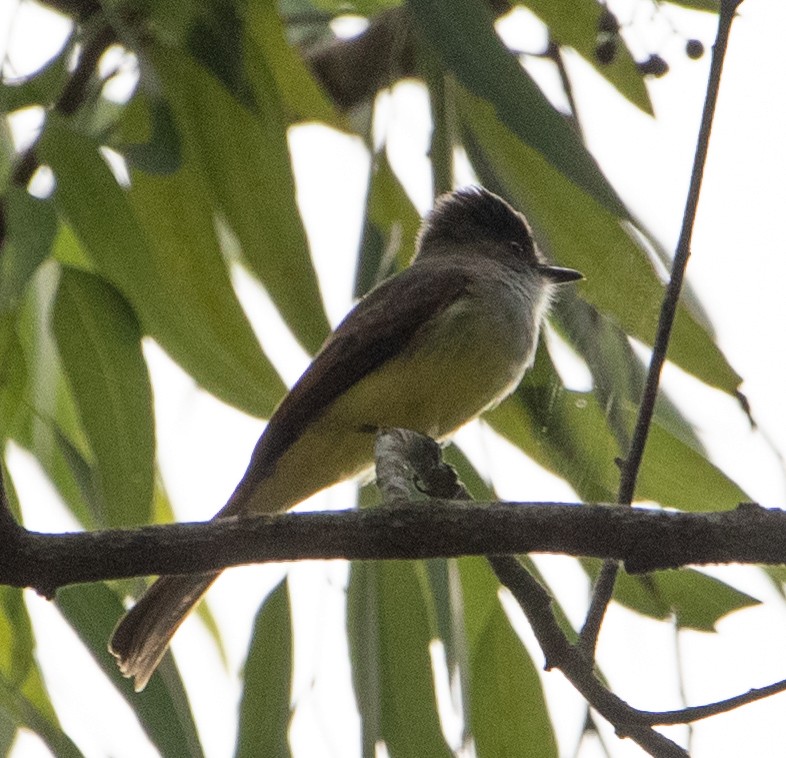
(738, 267)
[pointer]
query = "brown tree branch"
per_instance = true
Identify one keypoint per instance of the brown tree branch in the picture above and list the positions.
(535, 601)
(643, 539)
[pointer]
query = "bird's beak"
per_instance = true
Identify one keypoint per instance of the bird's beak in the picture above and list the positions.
(558, 275)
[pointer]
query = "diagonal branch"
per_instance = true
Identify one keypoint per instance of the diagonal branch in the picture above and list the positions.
(604, 586)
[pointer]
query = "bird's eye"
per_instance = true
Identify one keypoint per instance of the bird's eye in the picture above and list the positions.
(516, 247)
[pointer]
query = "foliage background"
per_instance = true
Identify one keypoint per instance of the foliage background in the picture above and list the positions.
(92, 268)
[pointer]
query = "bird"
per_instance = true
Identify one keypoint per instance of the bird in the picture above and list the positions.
(428, 349)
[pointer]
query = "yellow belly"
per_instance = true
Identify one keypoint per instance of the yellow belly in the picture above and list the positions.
(452, 373)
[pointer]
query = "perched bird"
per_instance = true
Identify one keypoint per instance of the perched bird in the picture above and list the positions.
(428, 349)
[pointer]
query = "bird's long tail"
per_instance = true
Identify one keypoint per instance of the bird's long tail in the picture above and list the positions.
(143, 634)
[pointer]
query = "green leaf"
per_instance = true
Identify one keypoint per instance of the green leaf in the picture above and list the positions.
(99, 342)
(161, 253)
(18, 665)
(302, 96)
(575, 23)
(147, 135)
(245, 161)
(713, 6)
(162, 708)
(579, 232)
(507, 708)
(48, 423)
(676, 475)
(13, 378)
(41, 88)
(462, 34)
(267, 682)
(698, 601)
(390, 230)
(618, 374)
(389, 636)
(20, 711)
(31, 226)
(567, 432)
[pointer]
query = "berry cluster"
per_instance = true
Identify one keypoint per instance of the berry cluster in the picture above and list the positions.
(608, 40)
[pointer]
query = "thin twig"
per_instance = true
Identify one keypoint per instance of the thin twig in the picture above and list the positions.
(554, 53)
(698, 712)
(604, 587)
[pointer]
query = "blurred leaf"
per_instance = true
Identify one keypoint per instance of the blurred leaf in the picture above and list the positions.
(215, 38)
(244, 156)
(99, 342)
(462, 33)
(23, 696)
(147, 135)
(162, 708)
(13, 378)
(166, 262)
(267, 682)
(389, 639)
(713, 6)
(575, 24)
(390, 228)
(47, 413)
(697, 600)
(23, 713)
(508, 710)
(31, 226)
(41, 88)
(620, 281)
(361, 7)
(68, 250)
(90, 510)
(301, 95)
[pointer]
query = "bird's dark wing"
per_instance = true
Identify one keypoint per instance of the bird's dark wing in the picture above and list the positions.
(376, 330)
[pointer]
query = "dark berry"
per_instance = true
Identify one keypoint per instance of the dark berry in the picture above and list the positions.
(608, 22)
(653, 66)
(606, 51)
(694, 49)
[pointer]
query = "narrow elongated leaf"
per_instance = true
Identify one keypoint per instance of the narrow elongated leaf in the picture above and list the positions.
(507, 708)
(300, 94)
(99, 342)
(390, 230)
(620, 281)
(563, 431)
(575, 23)
(167, 267)
(267, 682)
(162, 708)
(566, 432)
(31, 224)
(245, 160)
(618, 374)
(389, 639)
(20, 711)
(13, 377)
(462, 33)
(47, 421)
(696, 600)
